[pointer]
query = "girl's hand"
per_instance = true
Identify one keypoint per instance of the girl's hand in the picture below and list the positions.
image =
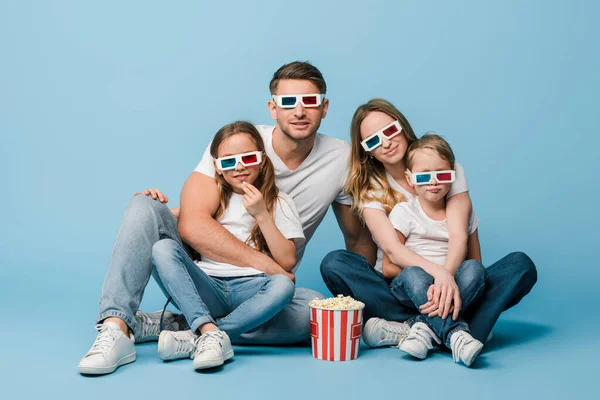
(253, 201)
(444, 295)
(155, 193)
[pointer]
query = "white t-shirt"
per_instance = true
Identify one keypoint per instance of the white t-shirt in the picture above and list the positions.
(458, 186)
(240, 223)
(314, 185)
(425, 236)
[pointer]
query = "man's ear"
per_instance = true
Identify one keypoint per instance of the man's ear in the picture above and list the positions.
(325, 107)
(272, 109)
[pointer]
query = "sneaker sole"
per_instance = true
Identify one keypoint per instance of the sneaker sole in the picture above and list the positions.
(161, 350)
(473, 356)
(205, 364)
(107, 370)
(411, 352)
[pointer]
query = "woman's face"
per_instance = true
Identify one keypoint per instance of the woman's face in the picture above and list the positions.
(391, 151)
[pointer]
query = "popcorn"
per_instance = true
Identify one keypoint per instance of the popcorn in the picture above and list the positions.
(340, 302)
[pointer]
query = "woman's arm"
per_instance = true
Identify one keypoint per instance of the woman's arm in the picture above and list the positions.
(389, 269)
(458, 209)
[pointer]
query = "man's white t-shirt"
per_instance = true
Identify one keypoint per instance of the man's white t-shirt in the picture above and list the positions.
(313, 186)
(240, 223)
(425, 236)
(458, 186)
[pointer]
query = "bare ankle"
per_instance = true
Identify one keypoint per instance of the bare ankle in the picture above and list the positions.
(207, 328)
(119, 322)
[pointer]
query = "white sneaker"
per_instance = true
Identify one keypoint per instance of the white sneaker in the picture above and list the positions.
(418, 341)
(212, 349)
(464, 347)
(378, 332)
(148, 324)
(111, 349)
(176, 345)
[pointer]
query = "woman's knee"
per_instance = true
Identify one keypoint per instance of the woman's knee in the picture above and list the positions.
(472, 273)
(522, 265)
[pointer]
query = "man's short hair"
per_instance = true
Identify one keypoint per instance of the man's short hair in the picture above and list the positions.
(299, 70)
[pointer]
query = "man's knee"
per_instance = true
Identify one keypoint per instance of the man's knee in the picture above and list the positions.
(164, 252)
(143, 207)
(282, 287)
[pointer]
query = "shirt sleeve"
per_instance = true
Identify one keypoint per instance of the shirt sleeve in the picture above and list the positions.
(287, 220)
(374, 194)
(206, 165)
(401, 218)
(473, 223)
(460, 183)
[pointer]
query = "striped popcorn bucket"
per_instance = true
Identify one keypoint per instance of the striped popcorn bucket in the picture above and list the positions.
(335, 334)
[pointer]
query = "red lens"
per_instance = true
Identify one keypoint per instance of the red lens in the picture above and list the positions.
(390, 131)
(309, 100)
(444, 176)
(250, 158)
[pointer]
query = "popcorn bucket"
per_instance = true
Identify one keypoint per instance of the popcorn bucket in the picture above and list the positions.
(335, 334)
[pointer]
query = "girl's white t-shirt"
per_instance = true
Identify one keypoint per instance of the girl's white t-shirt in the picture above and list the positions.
(458, 186)
(240, 223)
(425, 236)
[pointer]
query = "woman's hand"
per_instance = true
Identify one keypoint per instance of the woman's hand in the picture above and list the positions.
(443, 296)
(155, 194)
(253, 201)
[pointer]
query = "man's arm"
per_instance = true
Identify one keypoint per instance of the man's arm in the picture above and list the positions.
(356, 235)
(197, 227)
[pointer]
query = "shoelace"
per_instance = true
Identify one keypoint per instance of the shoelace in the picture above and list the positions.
(458, 346)
(184, 343)
(394, 333)
(422, 335)
(105, 339)
(208, 341)
(150, 326)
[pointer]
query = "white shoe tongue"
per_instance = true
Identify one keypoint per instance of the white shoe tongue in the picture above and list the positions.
(113, 325)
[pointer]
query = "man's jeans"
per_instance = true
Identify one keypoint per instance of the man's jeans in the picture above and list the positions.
(146, 221)
(507, 282)
(411, 285)
(235, 304)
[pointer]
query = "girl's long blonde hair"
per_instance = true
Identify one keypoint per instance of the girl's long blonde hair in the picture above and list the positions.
(265, 182)
(367, 180)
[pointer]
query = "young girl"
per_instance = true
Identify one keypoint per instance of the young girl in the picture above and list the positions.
(222, 301)
(421, 226)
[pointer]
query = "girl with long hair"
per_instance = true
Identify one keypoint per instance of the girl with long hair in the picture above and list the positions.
(222, 301)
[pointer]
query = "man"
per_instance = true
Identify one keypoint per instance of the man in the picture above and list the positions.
(309, 167)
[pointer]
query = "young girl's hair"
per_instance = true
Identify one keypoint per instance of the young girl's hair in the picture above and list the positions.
(265, 182)
(433, 142)
(366, 176)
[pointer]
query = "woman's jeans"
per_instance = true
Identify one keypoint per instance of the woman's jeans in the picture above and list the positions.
(235, 304)
(507, 282)
(145, 222)
(410, 289)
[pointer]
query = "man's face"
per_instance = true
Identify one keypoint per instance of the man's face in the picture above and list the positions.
(298, 123)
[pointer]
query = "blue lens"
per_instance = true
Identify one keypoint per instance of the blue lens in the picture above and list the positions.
(288, 101)
(228, 163)
(423, 178)
(373, 142)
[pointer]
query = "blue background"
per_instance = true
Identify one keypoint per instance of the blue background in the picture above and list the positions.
(98, 100)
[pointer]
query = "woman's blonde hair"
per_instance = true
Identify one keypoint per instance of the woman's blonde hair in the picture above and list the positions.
(265, 182)
(367, 180)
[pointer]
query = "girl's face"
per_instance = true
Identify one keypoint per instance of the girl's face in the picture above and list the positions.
(239, 143)
(429, 160)
(391, 151)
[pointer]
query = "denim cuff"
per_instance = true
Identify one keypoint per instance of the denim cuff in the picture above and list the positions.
(198, 322)
(119, 314)
(463, 326)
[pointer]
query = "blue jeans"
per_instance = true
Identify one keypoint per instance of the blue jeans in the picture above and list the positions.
(145, 222)
(507, 282)
(413, 282)
(235, 304)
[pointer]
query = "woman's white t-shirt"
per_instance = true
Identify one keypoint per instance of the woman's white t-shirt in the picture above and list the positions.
(425, 236)
(458, 186)
(240, 223)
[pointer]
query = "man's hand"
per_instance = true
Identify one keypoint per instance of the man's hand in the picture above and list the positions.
(155, 194)
(443, 296)
(253, 201)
